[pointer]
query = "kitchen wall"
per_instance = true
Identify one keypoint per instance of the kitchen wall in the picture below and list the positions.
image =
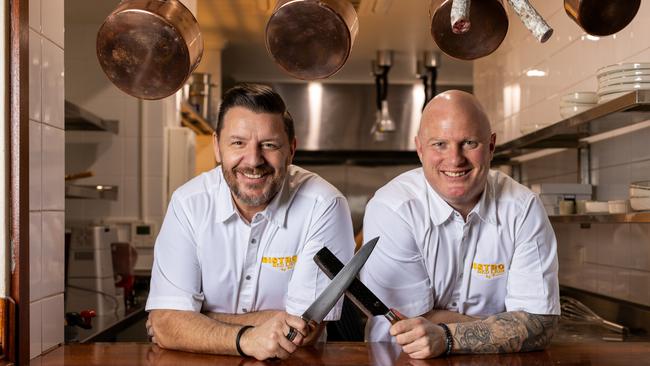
(610, 259)
(46, 191)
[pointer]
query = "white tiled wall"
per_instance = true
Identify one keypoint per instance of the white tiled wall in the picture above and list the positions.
(611, 259)
(46, 162)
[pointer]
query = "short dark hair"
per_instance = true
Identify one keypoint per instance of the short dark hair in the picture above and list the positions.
(258, 98)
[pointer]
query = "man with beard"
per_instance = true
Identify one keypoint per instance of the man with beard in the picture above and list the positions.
(233, 261)
(468, 253)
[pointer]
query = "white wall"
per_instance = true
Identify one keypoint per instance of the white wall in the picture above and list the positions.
(611, 259)
(46, 159)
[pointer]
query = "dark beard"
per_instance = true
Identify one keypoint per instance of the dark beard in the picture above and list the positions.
(266, 196)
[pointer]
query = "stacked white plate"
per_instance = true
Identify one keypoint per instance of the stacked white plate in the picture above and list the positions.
(619, 79)
(577, 102)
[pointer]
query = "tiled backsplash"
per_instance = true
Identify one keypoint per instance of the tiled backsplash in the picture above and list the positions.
(46, 173)
(610, 259)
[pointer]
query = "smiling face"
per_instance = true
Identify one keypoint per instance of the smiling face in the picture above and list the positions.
(455, 146)
(254, 151)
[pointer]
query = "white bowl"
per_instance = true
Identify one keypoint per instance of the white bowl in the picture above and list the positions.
(623, 67)
(565, 104)
(607, 97)
(640, 203)
(566, 112)
(622, 87)
(580, 97)
(596, 207)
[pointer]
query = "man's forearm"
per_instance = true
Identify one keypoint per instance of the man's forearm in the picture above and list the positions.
(254, 318)
(445, 316)
(192, 332)
(515, 331)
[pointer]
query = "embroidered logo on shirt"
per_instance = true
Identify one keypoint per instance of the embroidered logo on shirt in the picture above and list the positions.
(281, 263)
(488, 271)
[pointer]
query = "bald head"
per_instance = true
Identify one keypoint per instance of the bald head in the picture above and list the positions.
(455, 106)
(455, 146)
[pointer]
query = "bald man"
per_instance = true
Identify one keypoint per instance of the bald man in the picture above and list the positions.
(466, 254)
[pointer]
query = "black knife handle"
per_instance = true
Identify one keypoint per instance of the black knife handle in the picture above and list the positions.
(360, 295)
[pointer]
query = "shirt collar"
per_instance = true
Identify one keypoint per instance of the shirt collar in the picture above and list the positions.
(440, 210)
(225, 206)
(275, 211)
(486, 209)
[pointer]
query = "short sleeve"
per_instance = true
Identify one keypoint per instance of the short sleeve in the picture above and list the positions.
(331, 227)
(395, 271)
(176, 273)
(532, 277)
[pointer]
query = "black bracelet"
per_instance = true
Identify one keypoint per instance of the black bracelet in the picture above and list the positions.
(239, 334)
(448, 338)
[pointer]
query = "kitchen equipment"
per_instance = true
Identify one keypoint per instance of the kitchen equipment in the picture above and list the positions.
(311, 39)
(326, 300)
(640, 203)
(148, 48)
(360, 295)
(602, 18)
(90, 283)
(618, 206)
(489, 27)
(596, 207)
(198, 92)
(575, 311)
(552, 194)
(640, 189)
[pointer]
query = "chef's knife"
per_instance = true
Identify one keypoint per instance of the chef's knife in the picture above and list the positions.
(325, 301)
(360, 295)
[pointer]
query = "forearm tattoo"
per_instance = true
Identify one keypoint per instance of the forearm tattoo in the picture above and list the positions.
(516, 331)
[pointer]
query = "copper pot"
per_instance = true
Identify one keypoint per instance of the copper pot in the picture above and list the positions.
(602, 18)
(489, 27)
(148, 48)
(311, 39)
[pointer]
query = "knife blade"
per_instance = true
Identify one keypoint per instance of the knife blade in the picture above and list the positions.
(317, 311)
(360, 295)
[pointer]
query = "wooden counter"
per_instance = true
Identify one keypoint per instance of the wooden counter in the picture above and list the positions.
(127, 354)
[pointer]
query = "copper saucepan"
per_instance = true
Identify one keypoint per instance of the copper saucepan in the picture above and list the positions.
(489, 27)
(602, 18)
(148, 48)
(311, 39)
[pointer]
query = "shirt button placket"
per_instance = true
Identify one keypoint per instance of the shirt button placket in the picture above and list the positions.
(249, 265)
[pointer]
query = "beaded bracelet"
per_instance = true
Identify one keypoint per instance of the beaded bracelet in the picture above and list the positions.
(239, 334)
(448, 338)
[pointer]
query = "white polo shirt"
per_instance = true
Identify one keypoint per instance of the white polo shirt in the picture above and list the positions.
(502, 259)
(208, 258)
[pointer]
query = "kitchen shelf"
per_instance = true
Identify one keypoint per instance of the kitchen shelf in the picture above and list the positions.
(79, 119)
(193, 120)
(97, 192)
(623, 111)
(634, 217)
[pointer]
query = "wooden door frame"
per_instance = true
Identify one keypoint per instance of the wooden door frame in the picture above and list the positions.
(15, 308)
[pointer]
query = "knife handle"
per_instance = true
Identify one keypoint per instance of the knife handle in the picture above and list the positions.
(392, 316)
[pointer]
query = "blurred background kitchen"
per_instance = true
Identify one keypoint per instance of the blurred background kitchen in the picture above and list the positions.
(103, 164)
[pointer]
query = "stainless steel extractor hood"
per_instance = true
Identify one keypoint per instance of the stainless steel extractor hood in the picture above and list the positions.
(333, 122)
